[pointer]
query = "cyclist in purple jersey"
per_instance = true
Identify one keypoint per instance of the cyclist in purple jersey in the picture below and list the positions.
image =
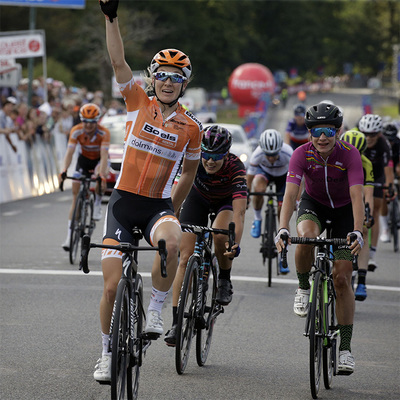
(333, 191)
(219, 187)
(296, 131)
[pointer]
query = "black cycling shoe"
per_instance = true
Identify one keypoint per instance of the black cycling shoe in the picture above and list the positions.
(224, 295)
(170, 336)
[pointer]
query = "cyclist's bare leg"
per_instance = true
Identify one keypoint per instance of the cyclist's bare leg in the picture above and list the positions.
(222, 221)
(259, 185)
(75, 191)
(304, 254)
(345, 302)
(186, 250)
(112, 270)
(363, 257)
(171, 233)
(375, 228)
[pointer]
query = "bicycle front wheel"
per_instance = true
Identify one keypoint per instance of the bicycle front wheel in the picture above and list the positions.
(121, 373)
(209, 315)
(315, 334)
(329, 356)
(76, 229)
(136, 340)
(186, 314)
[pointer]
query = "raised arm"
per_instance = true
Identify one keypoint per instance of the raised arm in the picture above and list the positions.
(115, 46)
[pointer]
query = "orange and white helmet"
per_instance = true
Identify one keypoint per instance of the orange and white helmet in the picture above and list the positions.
(90, 112)
(173, 58)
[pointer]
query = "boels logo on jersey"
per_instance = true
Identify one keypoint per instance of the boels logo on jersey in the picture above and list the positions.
(166, 138)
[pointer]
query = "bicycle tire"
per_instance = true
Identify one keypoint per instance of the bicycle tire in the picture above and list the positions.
(204, 335)
(186, 314)
(329, 350)
(136, 340)
(315, 356)
(91, 223)
(76, 229)
(120, 357)
(394, 224)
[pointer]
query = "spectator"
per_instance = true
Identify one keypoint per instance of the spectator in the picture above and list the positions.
(6, 122)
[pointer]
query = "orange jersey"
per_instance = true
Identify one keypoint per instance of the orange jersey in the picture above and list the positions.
(154, 148)
(90, 147)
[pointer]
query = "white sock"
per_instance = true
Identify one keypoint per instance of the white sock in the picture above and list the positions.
(157, 300)
(105, 339)
(383, 223)
(257, 215)
(69, 229)
(97, 200)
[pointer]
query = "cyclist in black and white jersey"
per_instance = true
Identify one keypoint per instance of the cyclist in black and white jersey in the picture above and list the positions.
(268, 163)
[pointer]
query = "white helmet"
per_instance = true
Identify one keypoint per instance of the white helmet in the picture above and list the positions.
(271, 142)
(370, 123)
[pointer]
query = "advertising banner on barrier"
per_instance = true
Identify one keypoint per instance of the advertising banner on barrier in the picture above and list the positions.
(45, 3)
(22, 46)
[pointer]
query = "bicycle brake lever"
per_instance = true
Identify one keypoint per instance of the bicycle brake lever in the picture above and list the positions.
(285, 239)
(231, 235)
(83, 263)
(162, 250)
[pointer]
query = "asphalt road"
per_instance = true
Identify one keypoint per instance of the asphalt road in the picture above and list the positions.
(50, 333)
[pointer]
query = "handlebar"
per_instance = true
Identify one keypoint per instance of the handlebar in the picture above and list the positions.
(81, 179)
(314, 241)
(200, 230)
(124, 247)
(268, 193)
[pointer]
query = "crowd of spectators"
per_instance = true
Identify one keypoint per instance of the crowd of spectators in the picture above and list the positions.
(47, 116)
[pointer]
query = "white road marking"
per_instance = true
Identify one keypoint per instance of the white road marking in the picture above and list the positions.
(148, 275)
(11, 213)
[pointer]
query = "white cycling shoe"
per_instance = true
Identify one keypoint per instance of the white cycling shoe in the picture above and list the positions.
(102, 370)
(301, 302)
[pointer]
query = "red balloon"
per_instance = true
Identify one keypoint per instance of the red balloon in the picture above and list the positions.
(246, 84)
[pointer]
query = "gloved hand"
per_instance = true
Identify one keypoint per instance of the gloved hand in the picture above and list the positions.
(281, 231)
(359, 237)
(109, 8)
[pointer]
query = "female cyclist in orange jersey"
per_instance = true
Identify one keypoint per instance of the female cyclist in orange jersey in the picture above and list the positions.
(160, 137)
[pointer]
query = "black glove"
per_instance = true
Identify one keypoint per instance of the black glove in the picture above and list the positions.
(109, 9)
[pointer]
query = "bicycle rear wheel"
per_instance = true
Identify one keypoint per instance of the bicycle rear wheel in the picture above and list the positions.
(121, 372)
(136, 340)
(329, 356)
(315, 335)
(186, 314)
(211, 308)
(76, 229)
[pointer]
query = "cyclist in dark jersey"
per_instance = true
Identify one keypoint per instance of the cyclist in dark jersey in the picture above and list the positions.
(219, 187)
(333, 176)
(391, 133)
(358, 140)
(379, 153)
(296, 131)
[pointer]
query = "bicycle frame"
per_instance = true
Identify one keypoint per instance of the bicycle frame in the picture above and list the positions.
(268, 248)
(127, 349)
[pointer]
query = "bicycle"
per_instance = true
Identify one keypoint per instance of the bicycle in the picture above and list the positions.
(82, 222)
(321, 327)
(394, 220)
(128, 343)
(197, 306)
(268, 248)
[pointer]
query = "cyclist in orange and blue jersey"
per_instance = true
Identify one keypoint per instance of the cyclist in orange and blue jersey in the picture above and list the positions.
(160, 137)
(333, 176)
(93, 141)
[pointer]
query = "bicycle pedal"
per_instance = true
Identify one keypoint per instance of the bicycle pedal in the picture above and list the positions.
(150, 336)
(344, 372)
(104, 383)
(200, 323)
